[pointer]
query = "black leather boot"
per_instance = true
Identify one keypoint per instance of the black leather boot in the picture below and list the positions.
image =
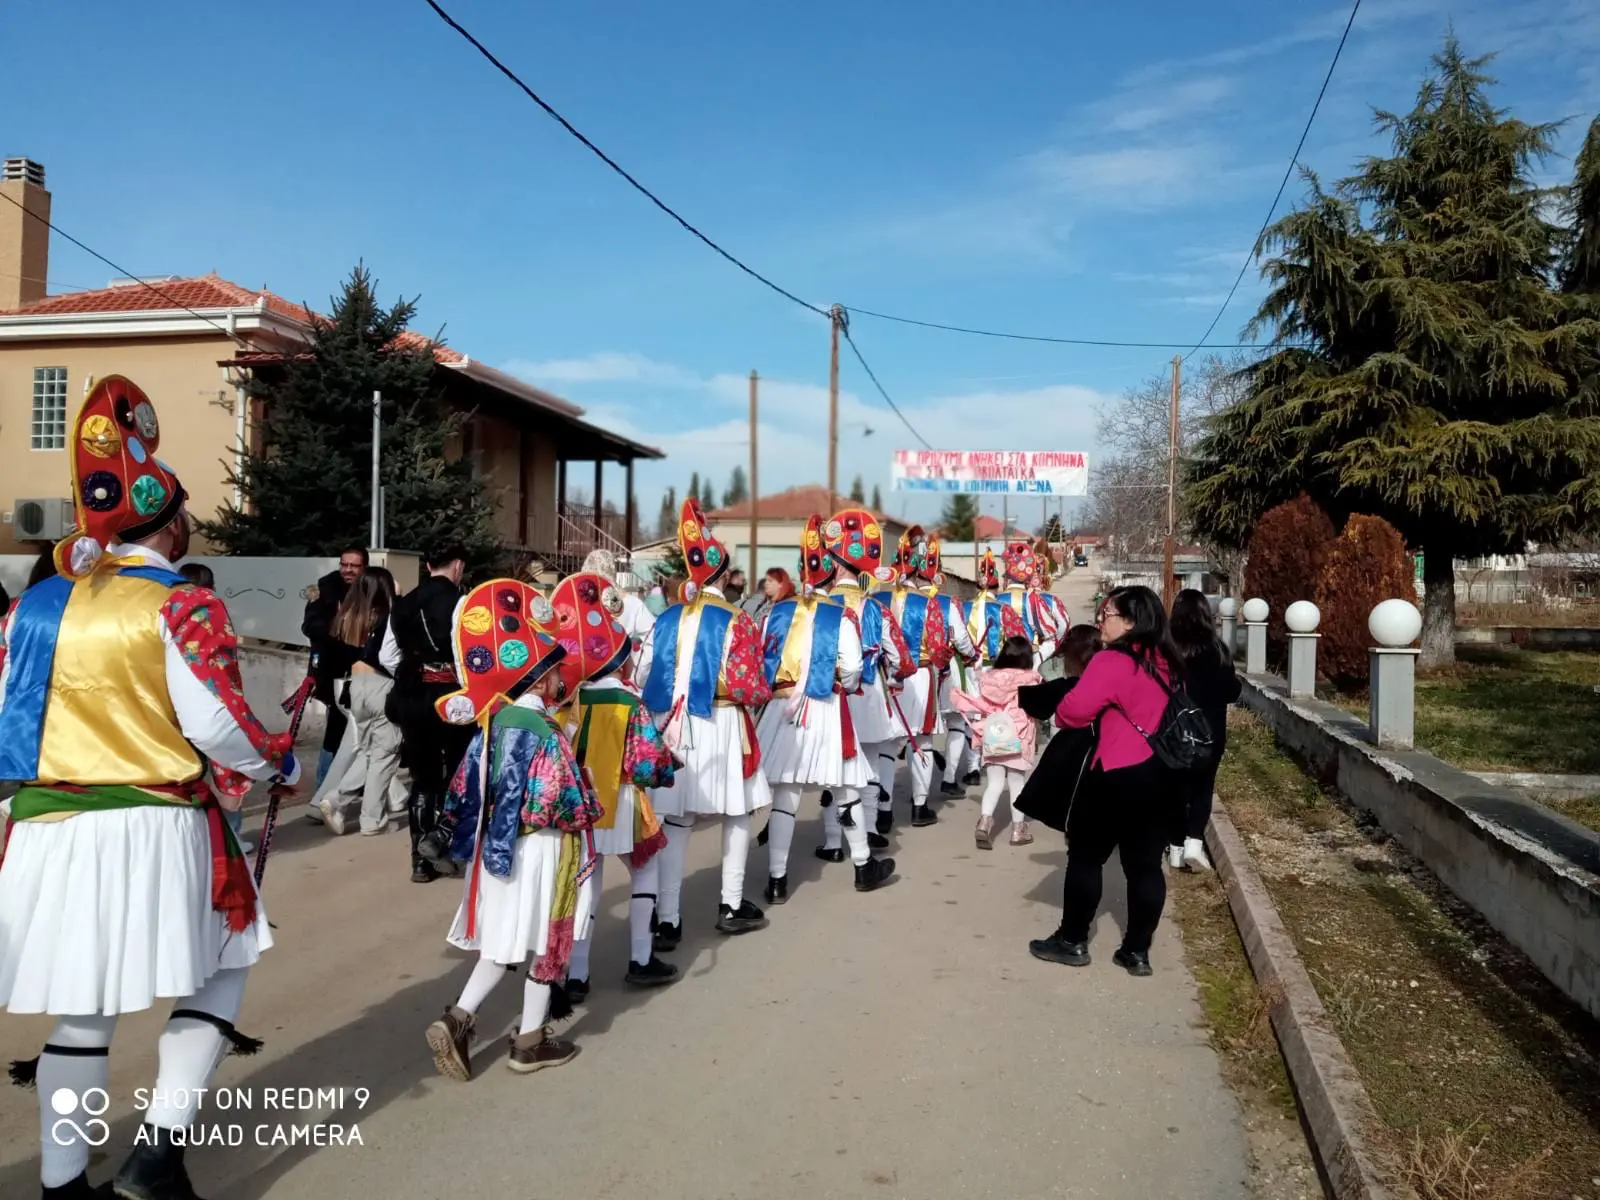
(873, 874)
(422, 871)
(154, 1171)
(76, 1189)
(777, 890)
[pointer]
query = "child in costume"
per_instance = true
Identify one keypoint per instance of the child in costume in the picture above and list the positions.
(520, 817)
(121, 882)
(957, 745)
(1008, 736)
(622, 756)
(812, 659)
(701, 665)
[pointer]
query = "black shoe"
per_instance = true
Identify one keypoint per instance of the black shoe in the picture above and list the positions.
(154, 1171)
(970, 779)
(885, 820)
(422, 871)
(827, 798)
(877, 841)
(777, 890)
(747, 918)
(654, 973)
(1057, 949)
(922, 815)
(667, 936)
(1133, 962)
(577, 990)
(951, 789)
(77, 1189)
(434, 846)
(834, 855)
(873, 874)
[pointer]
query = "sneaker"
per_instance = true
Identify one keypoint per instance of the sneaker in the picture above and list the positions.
(1194, 855)
(577, 990)
(1175, 857)
(314, 814)
(1020, 834)
(333, 819)
(667, 936)
(984, 834)
(777, 891)
(1057, 949)
(381, 829)
(654, 973)
(873, 874)
(535, 1051)
(834, 854)
(450, 1039)
(747, 918)
(1134, 962)
(922, 815)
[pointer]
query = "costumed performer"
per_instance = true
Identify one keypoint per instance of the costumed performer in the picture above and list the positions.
(958, 745)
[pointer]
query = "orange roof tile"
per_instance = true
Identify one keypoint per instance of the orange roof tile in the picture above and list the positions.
(796, 504)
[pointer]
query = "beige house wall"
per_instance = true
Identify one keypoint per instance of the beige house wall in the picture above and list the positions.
(192, 397)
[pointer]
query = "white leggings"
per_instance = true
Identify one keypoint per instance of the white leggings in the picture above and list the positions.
(997, 778)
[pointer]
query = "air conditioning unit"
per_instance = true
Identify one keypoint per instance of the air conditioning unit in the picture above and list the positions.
(41, 520)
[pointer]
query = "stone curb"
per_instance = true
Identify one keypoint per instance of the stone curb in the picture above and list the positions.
(1335, 1105)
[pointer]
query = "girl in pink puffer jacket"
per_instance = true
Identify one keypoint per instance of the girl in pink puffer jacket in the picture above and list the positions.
(1005, 733)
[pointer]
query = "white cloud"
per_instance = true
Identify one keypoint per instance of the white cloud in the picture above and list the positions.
(605, 367)
(1141, 105)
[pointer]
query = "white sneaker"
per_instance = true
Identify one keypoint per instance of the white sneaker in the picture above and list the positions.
(333, 819)
(246, 848)
(1194, 855)
(1175, 857)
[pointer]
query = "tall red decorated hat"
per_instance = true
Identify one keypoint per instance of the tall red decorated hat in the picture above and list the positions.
(854, 540)
(988, 572)
(817, 568)
(586, 609)
(911, 555)
(1019, 562)
(120, 491)
(505, 642)
(705, 557)
(932, 565)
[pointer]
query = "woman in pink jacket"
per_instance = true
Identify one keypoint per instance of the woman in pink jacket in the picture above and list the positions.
(1006, 735)
(1124, 802)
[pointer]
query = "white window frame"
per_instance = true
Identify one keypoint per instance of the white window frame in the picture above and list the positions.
(47, 429)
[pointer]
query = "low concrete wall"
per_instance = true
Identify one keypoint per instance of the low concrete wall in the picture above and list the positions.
(1532, 873)
(271, 673)
(1548, 637)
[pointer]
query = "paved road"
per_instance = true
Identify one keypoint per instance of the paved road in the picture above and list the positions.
(901, 1044)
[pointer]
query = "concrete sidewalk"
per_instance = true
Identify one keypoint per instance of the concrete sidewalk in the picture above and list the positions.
(899, 1044)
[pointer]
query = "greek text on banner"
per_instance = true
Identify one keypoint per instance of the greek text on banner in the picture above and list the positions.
(995, 472)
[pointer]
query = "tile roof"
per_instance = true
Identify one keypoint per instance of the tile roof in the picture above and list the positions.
(796, 504)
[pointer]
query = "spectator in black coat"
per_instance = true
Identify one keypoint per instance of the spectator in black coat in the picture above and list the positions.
(1213, 685)
(317, 626)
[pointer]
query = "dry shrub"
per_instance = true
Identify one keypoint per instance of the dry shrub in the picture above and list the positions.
(1449, 1167)
(1365, 565)
(1286, 554)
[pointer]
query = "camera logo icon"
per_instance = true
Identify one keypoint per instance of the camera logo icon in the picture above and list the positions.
(92, 1104)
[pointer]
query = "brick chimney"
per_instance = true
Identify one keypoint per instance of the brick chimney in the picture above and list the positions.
(24, 233)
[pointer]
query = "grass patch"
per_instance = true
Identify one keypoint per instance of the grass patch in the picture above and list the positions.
(1585, 810)
(1487, 1081)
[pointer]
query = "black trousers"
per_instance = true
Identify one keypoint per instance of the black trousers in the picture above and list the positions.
(1193, 791)
(1127, 810)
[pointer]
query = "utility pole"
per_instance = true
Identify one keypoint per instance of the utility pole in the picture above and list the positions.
(376, 541)
(755, 490)
(835, 321)
(1169, 583)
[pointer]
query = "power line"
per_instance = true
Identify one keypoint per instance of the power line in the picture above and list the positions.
(844, 328)
(1282, 183)
(1061, 341)
(124, 273)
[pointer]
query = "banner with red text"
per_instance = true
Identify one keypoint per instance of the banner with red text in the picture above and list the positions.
(993, 472)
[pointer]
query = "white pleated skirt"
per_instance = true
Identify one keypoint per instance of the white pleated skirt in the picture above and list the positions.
(874, 719)
(514, 912)
(914, 702)
(619, 838)
(711, 780)
(810, 750)
(107, 912)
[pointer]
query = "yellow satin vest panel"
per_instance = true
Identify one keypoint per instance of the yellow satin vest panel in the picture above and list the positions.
(108, 718)
(791, 665)
(603, 750)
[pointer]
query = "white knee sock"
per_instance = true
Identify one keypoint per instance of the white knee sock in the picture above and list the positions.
(735, 850)
(888, 761)
(75, 1059)
(670, 897)
(535, 1004)
(921, 769)
(780, 827)
(479, 984)
(832, 835)
(955, 744)
(645, 884)
(1014, 781)
(190, 1049)
(856, 831)
(994, 782)
(578, 964)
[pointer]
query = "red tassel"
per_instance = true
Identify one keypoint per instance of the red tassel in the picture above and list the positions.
(651, 846)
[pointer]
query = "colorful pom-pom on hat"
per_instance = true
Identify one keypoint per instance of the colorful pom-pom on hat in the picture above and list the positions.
(505, 643)
(911, 555)
(120, 491)
(703, 555)
(854, 539)
(817, 568)
(587, 607)
(988, 572)
(1019, 562)
(932, 570)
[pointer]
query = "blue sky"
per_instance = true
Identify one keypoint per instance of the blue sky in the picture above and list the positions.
(1081, 170)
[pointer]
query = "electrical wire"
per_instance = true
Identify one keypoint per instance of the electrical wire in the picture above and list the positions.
(1282, 183)
(1060, 341)
(844, 328)
(126, 274)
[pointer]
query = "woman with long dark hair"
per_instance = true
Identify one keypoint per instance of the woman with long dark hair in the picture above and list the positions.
(1124, 802)
(1212, 684)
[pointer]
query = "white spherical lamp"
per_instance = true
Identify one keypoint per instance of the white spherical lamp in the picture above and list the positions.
(1227, 607)
(1256, 610)
(1302, 617)
(1395, 623)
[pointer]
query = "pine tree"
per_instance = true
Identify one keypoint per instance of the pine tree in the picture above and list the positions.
(958, 520)
(858, 490)
(1425, 371)
(694, 488)
(738, 488)
(877, 500)
(708, 499)
(1580, 267)
(667, 521)
(309, 490)
(1054, 532)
